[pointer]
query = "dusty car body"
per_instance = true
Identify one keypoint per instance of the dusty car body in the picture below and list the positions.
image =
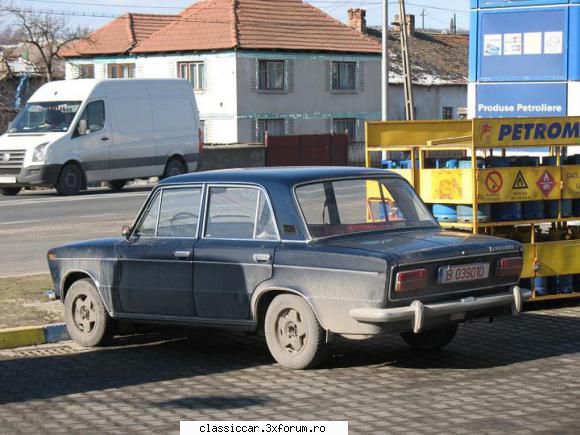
(300, 253)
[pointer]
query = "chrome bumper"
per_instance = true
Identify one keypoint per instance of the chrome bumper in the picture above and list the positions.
(418, 312)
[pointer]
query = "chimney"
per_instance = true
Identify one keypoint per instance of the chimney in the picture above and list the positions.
(410, 24)
(357, 20)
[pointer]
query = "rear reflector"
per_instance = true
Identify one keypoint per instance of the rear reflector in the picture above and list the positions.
(411, 280)
(510, 266)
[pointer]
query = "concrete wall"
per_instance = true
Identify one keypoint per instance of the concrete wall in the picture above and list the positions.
(233, 156)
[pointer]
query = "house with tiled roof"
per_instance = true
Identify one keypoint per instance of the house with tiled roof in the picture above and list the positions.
(282, 65)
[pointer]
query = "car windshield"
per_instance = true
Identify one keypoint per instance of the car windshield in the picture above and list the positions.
(54, 116)
(355, 205)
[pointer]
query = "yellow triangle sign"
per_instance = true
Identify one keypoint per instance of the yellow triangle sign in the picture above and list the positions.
(520, 182)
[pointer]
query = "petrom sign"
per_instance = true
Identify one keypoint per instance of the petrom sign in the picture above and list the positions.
(526, 131)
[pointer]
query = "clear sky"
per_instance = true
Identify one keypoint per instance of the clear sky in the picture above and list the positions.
(437, 13)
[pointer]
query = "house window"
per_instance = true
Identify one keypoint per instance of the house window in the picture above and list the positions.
(194, 72)
(345, 125)
(447, 112)
(87, 71)
(121, 70)
(271, 74)
(343, 75)
(274, 127)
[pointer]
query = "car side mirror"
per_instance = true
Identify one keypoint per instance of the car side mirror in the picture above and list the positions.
(126, 231)
(83, 129)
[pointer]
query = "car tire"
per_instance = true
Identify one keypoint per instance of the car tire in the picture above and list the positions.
(70, 180)
(173, 168)
(10, 191)
(86, 317)
(431, 340)
(293, 334)
(116, 185)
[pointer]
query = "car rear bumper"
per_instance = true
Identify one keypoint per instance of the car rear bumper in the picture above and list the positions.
(420, 314)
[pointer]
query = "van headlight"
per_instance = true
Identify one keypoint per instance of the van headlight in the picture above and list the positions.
(39, 152)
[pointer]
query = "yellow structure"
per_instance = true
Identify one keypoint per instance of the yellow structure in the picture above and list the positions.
(546, 255)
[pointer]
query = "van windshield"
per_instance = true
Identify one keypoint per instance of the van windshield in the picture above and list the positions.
(54, 116)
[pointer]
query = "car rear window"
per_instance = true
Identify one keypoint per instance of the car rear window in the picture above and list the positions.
(355, 205)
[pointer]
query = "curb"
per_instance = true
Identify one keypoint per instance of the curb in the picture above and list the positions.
(32, 335)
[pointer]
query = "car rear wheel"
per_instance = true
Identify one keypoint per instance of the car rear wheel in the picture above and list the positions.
(10, 191)
(431, 340)
(117, 184)
(70, 180)
(295, 338)
(87, 320)
(174, 167)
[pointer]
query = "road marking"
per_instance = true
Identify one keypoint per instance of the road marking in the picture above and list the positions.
(25, 274)
(20, 222)
(70, 199)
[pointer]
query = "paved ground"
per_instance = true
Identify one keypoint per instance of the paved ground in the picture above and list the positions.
(517, 375)
(33, 222)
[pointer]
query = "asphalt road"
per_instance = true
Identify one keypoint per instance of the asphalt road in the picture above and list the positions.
(517, 375)
(33, 222)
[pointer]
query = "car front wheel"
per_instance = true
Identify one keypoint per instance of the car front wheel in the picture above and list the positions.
(70, 180)
(431, 340)
(295, 338)
(87, 320)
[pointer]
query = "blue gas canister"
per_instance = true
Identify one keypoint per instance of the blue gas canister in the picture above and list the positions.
(445, 212)
(551, 206)
(530, 209)
(506, 211)
(541, 286)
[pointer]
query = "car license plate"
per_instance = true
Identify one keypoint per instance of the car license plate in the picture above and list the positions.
(463, 273)
(10, 180)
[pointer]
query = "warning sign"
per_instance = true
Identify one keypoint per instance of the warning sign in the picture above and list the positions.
(571, 181)
(520, 182)
(494, 181)
(511, 184)
(546, 183)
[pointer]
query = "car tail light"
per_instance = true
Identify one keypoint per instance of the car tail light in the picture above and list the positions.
(410, 280)
(510, 266)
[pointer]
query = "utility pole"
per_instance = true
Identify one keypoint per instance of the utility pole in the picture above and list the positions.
(385, 64)
(406, 63)
(423, 14)
(454, 23)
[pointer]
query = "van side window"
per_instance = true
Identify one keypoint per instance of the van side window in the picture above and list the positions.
(94, 115)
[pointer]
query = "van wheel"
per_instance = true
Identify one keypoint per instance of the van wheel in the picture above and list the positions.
(295, 338)
(10, 191)
(87, 320)
(431, 340)
(117, 184)
(174, 167)
(70, 180)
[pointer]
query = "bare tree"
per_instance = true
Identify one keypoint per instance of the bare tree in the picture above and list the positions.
(46, 33)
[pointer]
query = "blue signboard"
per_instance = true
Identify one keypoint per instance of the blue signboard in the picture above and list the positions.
(522, 44)
(574, 49)
(505, 100)
(510, 3)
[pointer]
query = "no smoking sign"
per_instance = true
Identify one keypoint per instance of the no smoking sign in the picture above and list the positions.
(494, 181)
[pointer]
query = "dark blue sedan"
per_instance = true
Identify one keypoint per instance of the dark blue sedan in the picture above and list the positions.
(301, 254)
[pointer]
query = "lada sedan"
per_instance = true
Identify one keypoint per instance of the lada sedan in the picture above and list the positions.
(300, 254)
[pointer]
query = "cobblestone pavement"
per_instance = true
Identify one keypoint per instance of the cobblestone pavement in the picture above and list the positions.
(517, 375)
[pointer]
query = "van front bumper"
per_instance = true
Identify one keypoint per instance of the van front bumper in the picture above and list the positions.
(40, 175)
(420, 314)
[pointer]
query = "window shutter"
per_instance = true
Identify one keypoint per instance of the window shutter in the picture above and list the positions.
(289, 68)
(361, 75)
(328, 75)
(360, 130)
(329, 125)
(254, 77)
(254, 127)
(101, 71)
(289, 126)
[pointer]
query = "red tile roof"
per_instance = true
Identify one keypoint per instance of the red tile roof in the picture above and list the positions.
(120, 35)
(292, 25)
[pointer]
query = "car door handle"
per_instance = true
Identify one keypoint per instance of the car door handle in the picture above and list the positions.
(262, 258)
(104, 139)
(182, 254)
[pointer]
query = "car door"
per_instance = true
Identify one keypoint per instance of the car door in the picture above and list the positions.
(93, 145)
(235, 253)
(155, 275)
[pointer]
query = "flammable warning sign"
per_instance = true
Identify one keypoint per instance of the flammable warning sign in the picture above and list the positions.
(519, 184)
(571, 182)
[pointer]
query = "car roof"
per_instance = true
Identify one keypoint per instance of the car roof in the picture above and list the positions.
(285, 175)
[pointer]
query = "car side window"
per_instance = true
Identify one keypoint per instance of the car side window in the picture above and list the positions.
(148, 225)
(94, 115)
(239, 213)
(179, 213)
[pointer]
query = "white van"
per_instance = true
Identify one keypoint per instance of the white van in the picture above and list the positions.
(75, 132)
